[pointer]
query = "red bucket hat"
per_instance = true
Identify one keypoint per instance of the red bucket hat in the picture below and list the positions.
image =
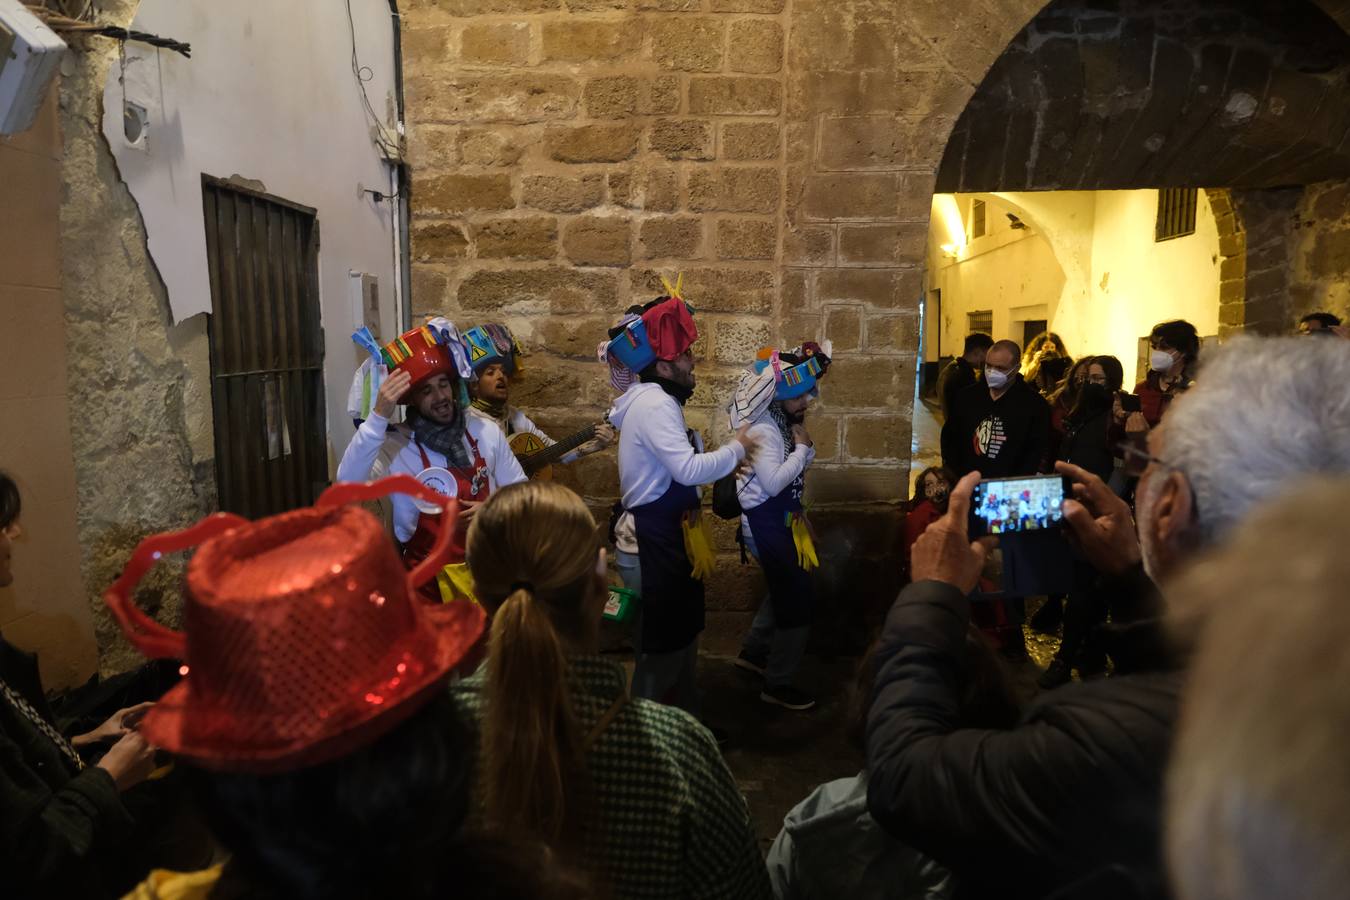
(304, 638)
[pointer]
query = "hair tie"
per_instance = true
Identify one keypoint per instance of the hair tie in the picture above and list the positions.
(522, 586)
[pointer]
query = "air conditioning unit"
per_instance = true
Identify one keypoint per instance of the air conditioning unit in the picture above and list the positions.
(29, 55)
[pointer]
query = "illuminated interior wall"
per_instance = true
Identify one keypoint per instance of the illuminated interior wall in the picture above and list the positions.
(1087, 262)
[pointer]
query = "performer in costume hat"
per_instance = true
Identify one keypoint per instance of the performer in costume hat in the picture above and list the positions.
(772, 398)
(463, 456)
(494, 355)
(661, 466)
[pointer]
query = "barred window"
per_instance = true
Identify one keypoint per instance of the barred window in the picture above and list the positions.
(1176, 213)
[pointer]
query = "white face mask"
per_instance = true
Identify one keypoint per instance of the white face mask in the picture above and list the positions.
(1161, 360)
(996, 379)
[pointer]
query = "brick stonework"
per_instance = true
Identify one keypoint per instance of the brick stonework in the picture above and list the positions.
(783, 153)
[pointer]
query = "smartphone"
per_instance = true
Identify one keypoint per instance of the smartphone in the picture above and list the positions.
(1130, 403)
(1017, 505)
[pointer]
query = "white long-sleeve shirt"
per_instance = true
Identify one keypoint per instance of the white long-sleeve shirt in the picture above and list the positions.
(772, 473)
(362, 453)
(654, 447)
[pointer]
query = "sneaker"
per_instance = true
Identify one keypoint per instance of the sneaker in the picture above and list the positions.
(1055, 674)
(787, 697)
(749, 663)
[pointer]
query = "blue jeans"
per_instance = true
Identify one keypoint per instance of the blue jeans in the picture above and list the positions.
(668, 678)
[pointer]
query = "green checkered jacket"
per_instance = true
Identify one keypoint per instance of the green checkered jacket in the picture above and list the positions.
(673, 824)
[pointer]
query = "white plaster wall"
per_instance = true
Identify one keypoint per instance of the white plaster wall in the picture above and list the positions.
(268, 95)
(1090, 259)
(1137, 282)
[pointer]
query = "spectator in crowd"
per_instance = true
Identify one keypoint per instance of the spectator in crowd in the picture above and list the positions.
(1045, 347)
(633, 791)
(1257, 783)
(1075, 787)
(67, 824)
(1322, 324)
(964, 371)
(1063, 398)
(1000, 427)
(1175, 349)
(313, 723)
(931, 490)
(1087, 444)
(830, 847)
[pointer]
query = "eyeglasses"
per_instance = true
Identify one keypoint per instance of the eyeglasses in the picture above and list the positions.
(1137, 460)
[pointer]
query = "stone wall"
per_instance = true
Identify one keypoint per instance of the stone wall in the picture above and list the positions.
(1319, 279)
(139, 386)
(1141, 94)
(566, 157)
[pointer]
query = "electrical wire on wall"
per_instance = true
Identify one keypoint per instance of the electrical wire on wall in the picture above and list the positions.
(388, 143)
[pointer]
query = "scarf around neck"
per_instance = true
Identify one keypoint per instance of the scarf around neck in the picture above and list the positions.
(497, 409)
(779, 418)
(447, 440)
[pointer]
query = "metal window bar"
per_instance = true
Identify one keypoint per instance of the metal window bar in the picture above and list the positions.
(266, 350)
(1176, 213)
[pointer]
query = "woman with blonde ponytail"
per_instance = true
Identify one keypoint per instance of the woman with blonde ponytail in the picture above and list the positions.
(634, 792)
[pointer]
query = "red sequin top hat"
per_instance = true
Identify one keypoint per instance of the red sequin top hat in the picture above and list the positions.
(304, 638)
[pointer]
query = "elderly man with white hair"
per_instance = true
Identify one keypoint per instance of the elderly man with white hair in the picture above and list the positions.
(1069, 799)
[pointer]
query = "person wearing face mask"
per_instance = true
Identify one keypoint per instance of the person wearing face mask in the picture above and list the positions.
(1087, 444)
(1086, 762)
(931, 490)
(1001, 426)
(1174, 350)
(662, 464)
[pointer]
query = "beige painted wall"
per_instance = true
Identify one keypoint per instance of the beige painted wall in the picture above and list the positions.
(1088, 261)
(45, 609)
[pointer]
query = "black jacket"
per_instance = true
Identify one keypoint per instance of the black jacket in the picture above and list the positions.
(1088, 444)
(999, 438)
(55, 822)
(1074, 787)
(955, 377)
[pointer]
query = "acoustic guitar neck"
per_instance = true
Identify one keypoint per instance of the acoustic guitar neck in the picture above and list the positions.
(532, 462)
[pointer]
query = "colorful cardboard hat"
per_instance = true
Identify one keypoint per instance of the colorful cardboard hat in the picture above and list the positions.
(433, 349)
(663, 330)
(492, 343)
(797, 372)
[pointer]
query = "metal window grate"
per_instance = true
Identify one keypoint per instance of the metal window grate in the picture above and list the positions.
(266, 350)
(978, 220)
(1176, 213)
(981, 321)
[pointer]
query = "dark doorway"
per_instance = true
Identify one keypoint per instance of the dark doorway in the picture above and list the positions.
(1031, 328)
(266, 350)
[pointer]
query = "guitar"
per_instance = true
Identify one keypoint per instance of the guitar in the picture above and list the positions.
(537, 459)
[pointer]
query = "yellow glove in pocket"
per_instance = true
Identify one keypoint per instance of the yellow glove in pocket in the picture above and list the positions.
(806, 548)
(698, 544)
(456, 584)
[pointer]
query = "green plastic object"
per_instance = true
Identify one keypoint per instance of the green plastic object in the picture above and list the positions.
(621, 603)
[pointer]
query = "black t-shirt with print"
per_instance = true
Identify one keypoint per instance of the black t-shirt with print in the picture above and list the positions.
(999, 438)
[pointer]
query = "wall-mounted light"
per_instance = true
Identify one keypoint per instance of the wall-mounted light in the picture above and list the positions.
(951, 251)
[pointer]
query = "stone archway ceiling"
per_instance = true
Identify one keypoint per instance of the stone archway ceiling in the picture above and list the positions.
(1121, 94)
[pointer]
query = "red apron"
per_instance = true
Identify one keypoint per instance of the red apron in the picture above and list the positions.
(472, 482)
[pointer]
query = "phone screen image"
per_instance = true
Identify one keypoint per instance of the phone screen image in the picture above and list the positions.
(1016, 505)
